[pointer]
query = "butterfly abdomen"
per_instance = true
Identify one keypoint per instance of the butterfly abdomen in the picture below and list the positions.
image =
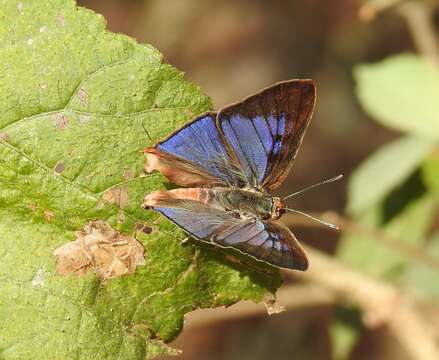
(168, 198)
(197, 194)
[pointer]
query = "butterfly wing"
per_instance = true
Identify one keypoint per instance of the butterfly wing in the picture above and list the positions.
(271, 242)
(196, 155)
(264, 240)
(251, 143)
(265, 130)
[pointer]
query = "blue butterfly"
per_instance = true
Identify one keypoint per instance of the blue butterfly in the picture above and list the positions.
(230, 162)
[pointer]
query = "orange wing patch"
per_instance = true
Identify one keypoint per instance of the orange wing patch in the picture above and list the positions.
(164, 198)
(177, 170)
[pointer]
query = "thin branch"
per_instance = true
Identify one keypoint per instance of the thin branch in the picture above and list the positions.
(419, 18)
(372, 7)
(381, 303)
(349, 226)
(328, 281)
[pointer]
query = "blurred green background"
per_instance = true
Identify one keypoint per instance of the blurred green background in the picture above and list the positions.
(376, 294)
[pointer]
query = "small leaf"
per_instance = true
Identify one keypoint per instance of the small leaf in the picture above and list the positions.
(345, 330)
(401, 92)
(381, 172)
(74, 99)
(344, 338)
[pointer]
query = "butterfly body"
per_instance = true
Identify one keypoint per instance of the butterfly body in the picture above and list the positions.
(243, 203)
(250, 203)
(229, 163)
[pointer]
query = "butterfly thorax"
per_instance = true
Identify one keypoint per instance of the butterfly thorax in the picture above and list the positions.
(248, 203)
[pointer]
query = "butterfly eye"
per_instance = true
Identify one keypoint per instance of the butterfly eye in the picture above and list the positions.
(236, 215)
(278, 208)
(281, 211)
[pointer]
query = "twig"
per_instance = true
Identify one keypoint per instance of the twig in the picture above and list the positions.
(380, 302)
(326, 282)
(419, 18)
(372, 7)
(349, 226)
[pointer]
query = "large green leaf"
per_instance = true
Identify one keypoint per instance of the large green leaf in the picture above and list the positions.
(401, 92)
(74, 97)
(384, 170)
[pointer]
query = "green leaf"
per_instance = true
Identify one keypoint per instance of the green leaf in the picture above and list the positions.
(401, 92)
(373, 255)
(343, 339)
(74, 98)
(345, 330)
(381, 172)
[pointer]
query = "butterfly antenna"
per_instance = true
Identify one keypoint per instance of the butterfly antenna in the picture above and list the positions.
(327, 181)
(146, 131)
(332, 226)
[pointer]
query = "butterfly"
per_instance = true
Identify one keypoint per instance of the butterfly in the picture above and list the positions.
(229, 163)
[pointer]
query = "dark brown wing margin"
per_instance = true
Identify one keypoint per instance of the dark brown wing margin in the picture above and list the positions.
(293, 99)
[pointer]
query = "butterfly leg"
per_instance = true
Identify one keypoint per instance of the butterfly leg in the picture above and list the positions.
(185, 241)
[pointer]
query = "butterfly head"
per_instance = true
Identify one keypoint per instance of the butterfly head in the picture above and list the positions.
(278, 208)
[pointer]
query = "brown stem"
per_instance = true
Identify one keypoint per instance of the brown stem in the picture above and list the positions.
(349, 226)
(372, 7)
(418, 15)
(328, 281)
(382, 304)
